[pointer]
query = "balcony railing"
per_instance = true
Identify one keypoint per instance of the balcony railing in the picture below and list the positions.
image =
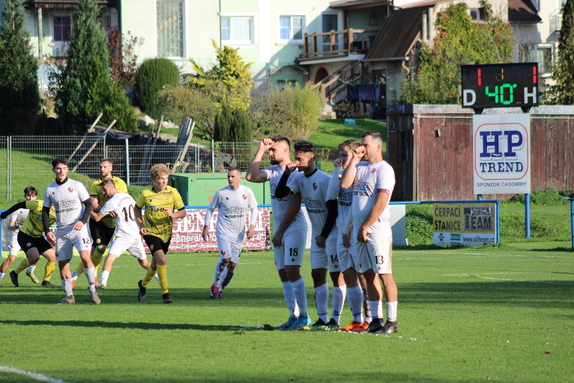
(556, 21)
(337, 43)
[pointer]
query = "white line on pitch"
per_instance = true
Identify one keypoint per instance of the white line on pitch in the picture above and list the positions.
(33, 375)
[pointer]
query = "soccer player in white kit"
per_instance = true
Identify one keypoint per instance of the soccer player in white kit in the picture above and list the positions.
(373, 181)
(289, 229)
(312, 184)
(345, 247)
(68, 196)
(17, 218)
(122, 207)
(233, 203)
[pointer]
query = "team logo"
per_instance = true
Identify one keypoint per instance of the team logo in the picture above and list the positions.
(151, 247)
(244, 196)
(314, 186)
(223, 253)
(227, 198)
(10, 246)
(70, 189)
(373, 171)
(28, 244)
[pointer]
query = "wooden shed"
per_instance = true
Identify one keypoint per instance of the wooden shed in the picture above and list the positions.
(430, 149)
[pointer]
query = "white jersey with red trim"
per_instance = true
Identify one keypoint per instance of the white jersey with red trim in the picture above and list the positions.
(370, 180)
(67, 199)
(124, 205)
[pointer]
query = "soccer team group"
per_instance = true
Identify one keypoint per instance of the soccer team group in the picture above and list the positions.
(348, 211)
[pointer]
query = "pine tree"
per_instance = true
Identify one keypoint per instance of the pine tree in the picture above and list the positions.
(19, 97)
(562, 93)
(86, 88)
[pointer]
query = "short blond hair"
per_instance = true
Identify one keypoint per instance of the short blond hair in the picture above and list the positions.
(159, 170)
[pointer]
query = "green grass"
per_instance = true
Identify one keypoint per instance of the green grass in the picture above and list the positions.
(332, 132)
(465, 315)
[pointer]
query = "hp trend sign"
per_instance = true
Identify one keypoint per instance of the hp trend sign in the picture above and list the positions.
(499, 85)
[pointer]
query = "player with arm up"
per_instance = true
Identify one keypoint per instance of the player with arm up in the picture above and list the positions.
(289, 227)
(373, 181)
(312, 184)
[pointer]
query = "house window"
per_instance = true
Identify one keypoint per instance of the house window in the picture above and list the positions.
(291, 27)
(169, 28)
(544, 59)
(236, 29)
(62, 28)
(478, 14)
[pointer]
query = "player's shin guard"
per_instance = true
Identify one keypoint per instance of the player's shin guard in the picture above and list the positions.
(355, 298)
(97, 258)
(22, 266)
(339, 293)
(49, 270)
(149, 275)
(162, 273)
(227, 278)
(219, 268)
(322, 302)
(91, 277)
(300, 291)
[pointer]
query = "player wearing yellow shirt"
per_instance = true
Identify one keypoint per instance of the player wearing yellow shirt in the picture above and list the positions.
(102, 231)
(160, 202)
(30, 237)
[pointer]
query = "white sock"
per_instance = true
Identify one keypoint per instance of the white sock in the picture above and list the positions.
(104, 277)
(355, 298)
(339, 293)
(392, 311)
(2, 275)
(300, 291)
(31, 268)
(75, 275)
(156, 277)
(322, 302)
(67, 286)
(91, 277)
(376, 309)
(289, 295)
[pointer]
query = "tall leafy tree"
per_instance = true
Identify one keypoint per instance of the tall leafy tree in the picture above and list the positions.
(459, 41)
(230, 76)
(562, 92)
(85, 86)
(19, 97)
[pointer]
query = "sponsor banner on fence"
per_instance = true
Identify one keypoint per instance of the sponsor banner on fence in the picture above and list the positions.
(187, 232)
(468, 224)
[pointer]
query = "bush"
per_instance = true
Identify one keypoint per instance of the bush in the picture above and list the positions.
(151, 77)
(541, 197)
(419, 228)
(292, 112)
(191, 101)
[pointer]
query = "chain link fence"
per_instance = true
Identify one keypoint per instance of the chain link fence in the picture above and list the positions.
(26, 160)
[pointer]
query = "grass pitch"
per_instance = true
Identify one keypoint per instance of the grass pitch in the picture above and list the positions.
(465, 315)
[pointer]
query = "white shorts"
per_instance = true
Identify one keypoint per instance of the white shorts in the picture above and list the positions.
(376, 254)
(66, 242)
(14, 246)
(291, 252)
(134, 246)
(325, 257)
(229, 248)
(347, 258)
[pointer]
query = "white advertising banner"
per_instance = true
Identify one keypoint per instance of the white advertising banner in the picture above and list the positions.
(501, 154)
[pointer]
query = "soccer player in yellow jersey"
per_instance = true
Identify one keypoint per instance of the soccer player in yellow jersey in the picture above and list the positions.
(160, 202)
(102, 231)
(30, 236)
